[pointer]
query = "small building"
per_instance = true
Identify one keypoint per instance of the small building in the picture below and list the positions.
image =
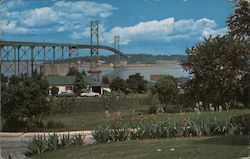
(66, 84)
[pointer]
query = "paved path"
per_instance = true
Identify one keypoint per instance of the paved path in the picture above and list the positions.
(16, 142)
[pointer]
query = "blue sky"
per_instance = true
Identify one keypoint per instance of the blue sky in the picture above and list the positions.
(144, 26)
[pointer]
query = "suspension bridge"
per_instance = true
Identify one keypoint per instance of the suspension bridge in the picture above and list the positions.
(22, 57)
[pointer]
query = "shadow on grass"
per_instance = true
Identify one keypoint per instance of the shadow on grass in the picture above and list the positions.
(226, 140)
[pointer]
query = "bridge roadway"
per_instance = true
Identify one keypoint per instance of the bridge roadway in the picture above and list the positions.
(73, 46)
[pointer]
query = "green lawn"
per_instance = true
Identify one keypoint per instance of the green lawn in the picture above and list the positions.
(224, 147)
(91, 120)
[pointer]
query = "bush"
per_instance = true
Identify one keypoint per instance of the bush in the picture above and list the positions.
(241, 124)
(54, 124)
(54, 90)
(37, 145)
(152, 110)
(40, 143)
(26, 102)
(161, 128)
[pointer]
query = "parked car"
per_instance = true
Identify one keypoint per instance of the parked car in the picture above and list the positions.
(90, 94)
(65, 94)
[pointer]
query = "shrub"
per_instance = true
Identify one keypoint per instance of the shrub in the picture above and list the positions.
(65, 141)
(54, 90)
(37, 145)
(40, 143)
(54, 124)
(152, 110)
(166, 128)
(53, 142)
(78, 139)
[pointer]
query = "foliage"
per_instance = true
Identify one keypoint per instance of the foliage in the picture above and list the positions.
(53, 142)
(72, 71)
(41, 143)
(63, 105)
(216, 64)
(152, 110)
(244, 92)
(54, 124)
(166, 89)
(77, 139)
(4, 81)
(26, 102)
(54, 90)
(136, 83)
(118, 84)
(239, 22)
(65, 141)
(83, 73)
(167, 128)
(105, 80)
(79, 84)
(37, 145)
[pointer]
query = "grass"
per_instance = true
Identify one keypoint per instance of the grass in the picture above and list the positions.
(224, 147)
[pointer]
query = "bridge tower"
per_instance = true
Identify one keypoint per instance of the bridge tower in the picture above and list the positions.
(117, 56)
(94, 52)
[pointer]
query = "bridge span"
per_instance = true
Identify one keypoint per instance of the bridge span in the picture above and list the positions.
(13, 53)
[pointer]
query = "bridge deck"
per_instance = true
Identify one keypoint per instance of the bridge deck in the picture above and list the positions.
(76, 46)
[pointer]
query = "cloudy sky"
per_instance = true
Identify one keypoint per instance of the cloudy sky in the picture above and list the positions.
(144, 26)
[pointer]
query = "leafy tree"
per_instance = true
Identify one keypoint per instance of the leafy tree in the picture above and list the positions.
(4, 81)
(118, 84)
(166, 89)
(136, 83)
(244, 92)
(239, 22)
(72, 71)
(79, 84)
(54, 90)
(83, 73)
(217, 65)
(25, 102)
(105, 80)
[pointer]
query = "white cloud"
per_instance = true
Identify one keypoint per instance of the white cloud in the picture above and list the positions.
(13, 3)
(11, 27)
(213, 32)
(87, 8)
(40, 16)
(163, 30)
(60, 16)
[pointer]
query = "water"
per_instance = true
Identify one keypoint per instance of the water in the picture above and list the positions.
(124, 73)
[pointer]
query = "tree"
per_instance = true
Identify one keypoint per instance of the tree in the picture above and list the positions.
(72, 71)
(239, 22)
(25, 102)
(4, 81)
(244, 92)
(106, 80)
(217, 65)
(166, 89)
(54, 90)
(83, 73)
(136, 83)
(118, 84)
(79, 84)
